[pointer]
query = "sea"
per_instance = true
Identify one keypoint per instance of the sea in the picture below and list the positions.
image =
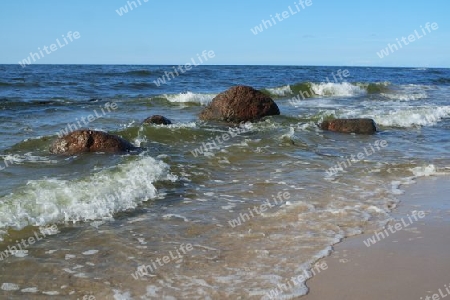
(206, 210)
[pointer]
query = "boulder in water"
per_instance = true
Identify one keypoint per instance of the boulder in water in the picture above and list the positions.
(81, 141)
(240, 104)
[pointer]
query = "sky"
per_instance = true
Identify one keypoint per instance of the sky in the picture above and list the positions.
(157, 32)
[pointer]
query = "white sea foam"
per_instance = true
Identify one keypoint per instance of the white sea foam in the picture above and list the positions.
(178, 125)
(424, 171)
(50, 293)
(19, 253)
(281, 91)
(406, 97)
(30, 290)
(119, 295)
(408, 92)
(289, 136)
(399, 116)
(27, 157)
(69, 256)
(95, 197)
(409, 117)
(190, 97)
(343, 89)
(6, 286)
(175, 216)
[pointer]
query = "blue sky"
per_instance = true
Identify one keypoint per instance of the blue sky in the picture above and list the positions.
(329, 32)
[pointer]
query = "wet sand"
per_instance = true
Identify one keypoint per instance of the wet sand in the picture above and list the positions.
(410, 263)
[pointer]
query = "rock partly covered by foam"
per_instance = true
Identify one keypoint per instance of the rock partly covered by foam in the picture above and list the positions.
(361, 126)
(157, 119)
(240, 104)
(81, 141)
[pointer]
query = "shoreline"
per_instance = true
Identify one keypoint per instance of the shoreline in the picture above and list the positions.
(409, 263)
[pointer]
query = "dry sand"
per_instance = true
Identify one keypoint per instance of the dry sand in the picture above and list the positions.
(412, 263)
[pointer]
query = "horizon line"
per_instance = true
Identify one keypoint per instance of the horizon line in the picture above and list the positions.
(212, 65)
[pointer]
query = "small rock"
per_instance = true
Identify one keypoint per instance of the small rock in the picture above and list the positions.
(361, 126)
(157, 119)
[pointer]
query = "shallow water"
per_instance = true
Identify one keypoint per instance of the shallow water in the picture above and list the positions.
(115, 213)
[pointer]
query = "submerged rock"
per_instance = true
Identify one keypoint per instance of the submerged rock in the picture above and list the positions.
(157, 119)
(240, 104)
(361, 126)
(81, 141)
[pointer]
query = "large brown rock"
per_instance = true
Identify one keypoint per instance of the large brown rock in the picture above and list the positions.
(157, 119)
(81, 141)
(240, 104)
(361, 126)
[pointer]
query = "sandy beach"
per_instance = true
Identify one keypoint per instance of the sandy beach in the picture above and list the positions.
(410, 263)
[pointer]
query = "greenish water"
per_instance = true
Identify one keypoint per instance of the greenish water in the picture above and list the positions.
(115, 213)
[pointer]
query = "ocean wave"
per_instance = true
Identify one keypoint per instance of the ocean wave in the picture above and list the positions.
(26, 158)
(406, 97)
(343, 89)
(142, 73)
(437, 71)
(135, 85)
(401, 117)
(132, 73)
(375, 87)
(19, 84)
(189, 97)
(407, 92)
(425, 116)
(99, 196)
(442, 80)
(328, 89)
(282, 91)
(311, 89)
